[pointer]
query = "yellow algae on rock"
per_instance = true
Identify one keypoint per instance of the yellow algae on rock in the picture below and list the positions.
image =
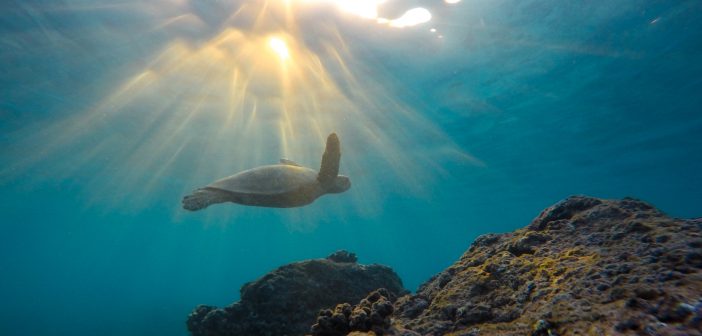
(584, 266)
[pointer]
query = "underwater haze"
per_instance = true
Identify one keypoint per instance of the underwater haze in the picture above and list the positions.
(466, 122)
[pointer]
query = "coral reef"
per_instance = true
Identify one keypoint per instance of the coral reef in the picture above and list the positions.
(371, 314)
(584, 266)
(343, 256)
(287, 300)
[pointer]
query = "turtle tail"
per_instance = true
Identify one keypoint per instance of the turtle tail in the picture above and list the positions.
(202, 198)
(330, 161)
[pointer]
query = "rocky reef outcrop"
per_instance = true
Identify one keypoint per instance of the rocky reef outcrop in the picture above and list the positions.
(584, 266)
(371, 314)
(287, 300)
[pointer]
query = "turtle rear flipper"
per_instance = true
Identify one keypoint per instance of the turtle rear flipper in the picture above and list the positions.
(204, 197)
(330, 161)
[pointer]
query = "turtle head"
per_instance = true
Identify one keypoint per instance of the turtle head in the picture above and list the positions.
(341, 183)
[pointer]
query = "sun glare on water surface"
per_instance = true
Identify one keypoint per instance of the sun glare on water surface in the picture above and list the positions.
(368, 9)
(279, 48)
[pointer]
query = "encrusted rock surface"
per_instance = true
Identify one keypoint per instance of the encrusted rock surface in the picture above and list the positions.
(343, 256)
(584, 266)
(287, 300)
(371, 314)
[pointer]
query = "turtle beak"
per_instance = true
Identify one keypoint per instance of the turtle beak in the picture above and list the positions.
(341, 184)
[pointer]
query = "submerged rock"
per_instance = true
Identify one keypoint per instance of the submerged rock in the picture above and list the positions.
(371, 314)
(343, 256)
(583, 266)
(287, 300)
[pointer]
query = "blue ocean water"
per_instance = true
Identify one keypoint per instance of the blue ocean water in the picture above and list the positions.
(470, 123)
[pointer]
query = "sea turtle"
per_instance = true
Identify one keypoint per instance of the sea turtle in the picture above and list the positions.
(282, 185)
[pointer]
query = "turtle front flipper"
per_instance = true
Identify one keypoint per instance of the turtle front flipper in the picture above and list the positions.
(330, 161)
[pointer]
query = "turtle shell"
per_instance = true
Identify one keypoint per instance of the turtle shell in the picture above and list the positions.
(268, 180)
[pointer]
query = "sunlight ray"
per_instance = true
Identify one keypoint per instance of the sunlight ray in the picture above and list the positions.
(244, 97)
